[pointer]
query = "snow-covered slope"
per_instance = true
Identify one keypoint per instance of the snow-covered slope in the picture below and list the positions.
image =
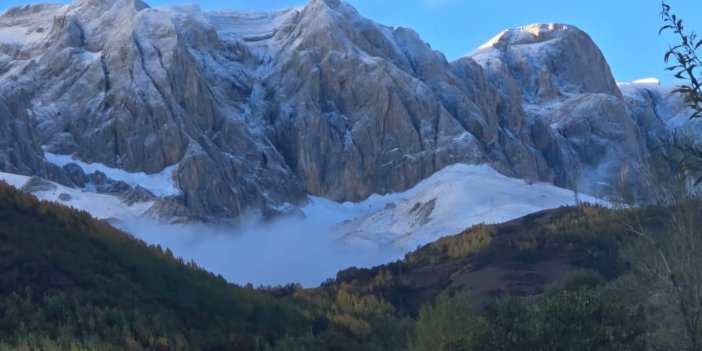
(100, 206)
(448, 202)
(160, 184)
(330, 236)
(657, 109)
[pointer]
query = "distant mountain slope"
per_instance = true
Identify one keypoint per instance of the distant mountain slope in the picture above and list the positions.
(258, 110)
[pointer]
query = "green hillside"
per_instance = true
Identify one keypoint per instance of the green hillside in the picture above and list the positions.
(70, 282)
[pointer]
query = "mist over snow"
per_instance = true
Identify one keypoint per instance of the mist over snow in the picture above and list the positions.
(328, 236)
(289, 250)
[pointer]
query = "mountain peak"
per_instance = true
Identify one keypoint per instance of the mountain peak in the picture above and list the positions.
(136, 5)
(315, 6)
(532, 34)
(551, 59)
(541, 29)
(330, 3)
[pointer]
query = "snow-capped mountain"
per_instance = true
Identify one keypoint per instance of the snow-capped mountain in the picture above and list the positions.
(215, 113)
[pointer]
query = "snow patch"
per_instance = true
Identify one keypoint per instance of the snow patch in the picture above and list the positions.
(450, 201)
(100, 206)
(642, 81)
(251, 26)
(15, 180)
(161, 184)
(332, 236)
(18, 34)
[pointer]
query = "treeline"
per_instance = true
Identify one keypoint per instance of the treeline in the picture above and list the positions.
(582, 317)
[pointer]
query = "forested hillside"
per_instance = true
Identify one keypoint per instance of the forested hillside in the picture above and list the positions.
(552, 280)
(69, 281)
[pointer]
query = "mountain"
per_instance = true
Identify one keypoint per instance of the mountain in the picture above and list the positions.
(561, 80)
(231, 111)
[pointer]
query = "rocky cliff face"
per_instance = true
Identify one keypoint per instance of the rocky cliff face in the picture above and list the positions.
(255, 110)
(118, 83)
(576, 112)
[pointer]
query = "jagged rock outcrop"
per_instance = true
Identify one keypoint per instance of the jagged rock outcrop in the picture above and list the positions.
(369, 96)
(256, 110)
(36, 184)
(118, 83)
(569, 97)
(20, 150)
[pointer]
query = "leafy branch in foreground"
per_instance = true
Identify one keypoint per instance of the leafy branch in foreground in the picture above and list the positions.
(687, 62)
(687, 67)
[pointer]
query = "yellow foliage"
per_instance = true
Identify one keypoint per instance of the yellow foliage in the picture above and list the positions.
(475, 240)
(357, 327)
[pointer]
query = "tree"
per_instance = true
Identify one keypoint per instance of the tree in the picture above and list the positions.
(668, 266)
(667, 255)
(447, 324)
(664, 256)
(586, 318)
(687, 63)
(687, 66)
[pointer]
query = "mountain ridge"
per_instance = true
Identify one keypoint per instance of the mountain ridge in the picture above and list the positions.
(256, 111)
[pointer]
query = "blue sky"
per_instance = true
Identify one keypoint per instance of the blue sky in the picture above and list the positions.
(625, 30)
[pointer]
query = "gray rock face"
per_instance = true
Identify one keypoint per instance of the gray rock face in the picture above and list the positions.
(75, 174)
(549, 61)
(258, 110)
(20, 150)
(118, 83)
(102, 184)
(36, 184)
(563, 88)
(136, 195)
(361, 107)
